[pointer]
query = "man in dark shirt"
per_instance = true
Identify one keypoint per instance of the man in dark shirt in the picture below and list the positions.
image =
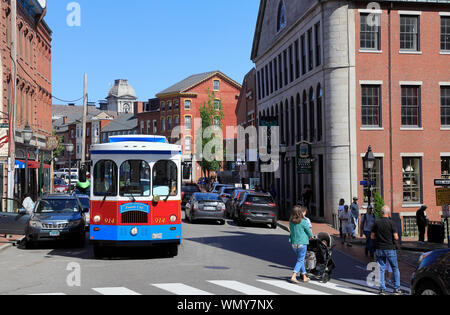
(385, 235)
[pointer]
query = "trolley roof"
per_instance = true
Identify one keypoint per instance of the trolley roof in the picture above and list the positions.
(136, 144)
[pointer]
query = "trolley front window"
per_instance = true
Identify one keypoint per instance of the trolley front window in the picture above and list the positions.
(105, 178)
(135, 179)
(165, 179)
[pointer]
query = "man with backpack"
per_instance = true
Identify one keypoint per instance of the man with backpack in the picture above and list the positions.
(367, 222)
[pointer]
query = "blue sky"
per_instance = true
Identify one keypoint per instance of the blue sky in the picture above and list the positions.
(152, 43)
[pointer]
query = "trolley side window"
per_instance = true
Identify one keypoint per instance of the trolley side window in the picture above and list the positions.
(165, 178)
(135, 179)
(105, 178)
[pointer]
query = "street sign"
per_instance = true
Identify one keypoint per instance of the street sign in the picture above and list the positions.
(442, 196)
(446, 211)
(442, 182)
(304, 158)
(52, 143)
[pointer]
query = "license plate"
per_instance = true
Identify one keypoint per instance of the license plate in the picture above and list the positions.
(55, 233)
(157, 236)
(209, 208)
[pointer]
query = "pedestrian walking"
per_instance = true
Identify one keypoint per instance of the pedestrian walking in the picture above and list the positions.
(347, 224)
(299, 239)
(385, 235)
(340, 210)
(367, 222)
(354, 207)
(307, 195)
(422, 222)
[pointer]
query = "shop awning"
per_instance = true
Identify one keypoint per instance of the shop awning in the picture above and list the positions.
(20, 164)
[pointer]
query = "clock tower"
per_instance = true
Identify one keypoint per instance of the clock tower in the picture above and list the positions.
(121, 97)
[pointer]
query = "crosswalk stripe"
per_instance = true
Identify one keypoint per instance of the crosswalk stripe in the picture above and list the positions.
(299, 289)
(181, 289)
(243, 288)
(343, 289)
(115, 291)
(47, 294)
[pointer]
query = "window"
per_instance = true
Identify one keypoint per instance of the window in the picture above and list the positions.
(267, 80)
(188, 144)
(412, 181)
(445, 167)
(310, 51)
(216, 85)
(411, 106)
(271, 77)
(176, 104)
(188, 122)
(163, 106)
(302, 40)
(318, 44)
(263, 85)
(371, 106)
(259, 84)
(319, 114)
(291, 65)
(163, 124)
(134, 179)
(169, 123)
(280, 70)
(142, 127)
(275, 71)
(409, 32)
(217, 105)
(155, 127)
(369, 32)
(105, 178)
(281, 21)
(187, 104)
(376, 175)
(285, 67)
(297, 59)
(311, 115)
(176, 122)
(165, 179)
(216, 121)
(445, 105)
(445, 33)
(169, 105)
(305, 116)
(149, 127)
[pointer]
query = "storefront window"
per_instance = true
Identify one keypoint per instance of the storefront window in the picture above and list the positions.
(412, 185)
(135, 179)
(445, 167)
(376, 176)
(105, 178)
(165, 179)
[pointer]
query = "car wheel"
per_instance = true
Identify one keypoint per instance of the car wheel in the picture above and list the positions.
(222, 222)
(428, 288)
(274, 226)
(81, 243)
(99, 252)
(27, 244)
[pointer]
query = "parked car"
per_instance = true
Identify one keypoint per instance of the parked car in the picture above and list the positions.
(256, 208)
(432, 275)
(60, 186)
(230, 201)
(86, 204)
(57, 217)
(234, 204)
(215, 189)
(206, 206)
(225, 193)
(186, 193)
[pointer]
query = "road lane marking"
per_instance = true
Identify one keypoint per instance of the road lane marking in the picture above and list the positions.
(343, 288)
(115, 291)
(299, 289)
(180, 289)
(243, 288)
(47, 294)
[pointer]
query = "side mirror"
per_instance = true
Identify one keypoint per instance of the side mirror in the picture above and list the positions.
(86, 210)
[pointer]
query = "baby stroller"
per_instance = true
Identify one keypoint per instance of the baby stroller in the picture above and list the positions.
(318, 260)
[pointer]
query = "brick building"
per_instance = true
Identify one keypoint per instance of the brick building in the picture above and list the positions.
(334, 78)
(179, 105)
(33, 86)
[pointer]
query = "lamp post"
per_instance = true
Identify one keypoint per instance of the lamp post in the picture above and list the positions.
(27, 134)
(69, 149)
(192, 167)
(369, 162)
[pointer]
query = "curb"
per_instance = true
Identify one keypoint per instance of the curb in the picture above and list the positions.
(3, 247)
(283, 227)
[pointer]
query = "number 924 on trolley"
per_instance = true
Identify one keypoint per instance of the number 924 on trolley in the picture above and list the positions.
(135, 194)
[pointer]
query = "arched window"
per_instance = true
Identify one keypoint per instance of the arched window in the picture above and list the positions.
(299, 130)
(305, 116)
(281, 21)
(319, 113)
(165, 178)
(105, 178)
(292, 126)
(135, 179)
(311, 115)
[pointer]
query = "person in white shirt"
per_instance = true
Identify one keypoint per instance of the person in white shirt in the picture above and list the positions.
(305, 212)
(347, 224)
(28, 204)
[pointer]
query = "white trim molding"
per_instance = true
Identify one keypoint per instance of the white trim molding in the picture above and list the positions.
(370, 82)
(373, 11)
(377, 155)
(419, 154)
(410, 12)
(445, 154)
(409, 214)
(444, 83)
(410, 82)
(444, 13)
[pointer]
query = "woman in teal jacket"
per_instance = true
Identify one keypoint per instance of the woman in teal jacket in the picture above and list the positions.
(300, 235)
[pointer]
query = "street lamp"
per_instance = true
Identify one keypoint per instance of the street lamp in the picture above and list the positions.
(69, 149)
(369, 162)
(27, 135)
(192, 167)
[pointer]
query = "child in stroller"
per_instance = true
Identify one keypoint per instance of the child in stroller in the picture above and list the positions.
(318, 262)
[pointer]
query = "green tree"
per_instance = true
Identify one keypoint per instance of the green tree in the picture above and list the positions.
(59, 149)
(378, 205)
(211, 114)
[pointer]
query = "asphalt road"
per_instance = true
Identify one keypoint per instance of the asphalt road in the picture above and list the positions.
(213, 259)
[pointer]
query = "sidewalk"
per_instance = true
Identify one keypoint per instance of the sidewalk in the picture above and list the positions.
(8, 241)
(408, 256)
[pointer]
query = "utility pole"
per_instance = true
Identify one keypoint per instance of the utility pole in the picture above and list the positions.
(85, 108)
(12, 109)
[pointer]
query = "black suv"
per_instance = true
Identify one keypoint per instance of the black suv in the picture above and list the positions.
(256, 208)
(56, 217)
(432, 277)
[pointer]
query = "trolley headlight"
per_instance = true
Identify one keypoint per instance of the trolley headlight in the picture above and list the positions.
(173, 218)
(97, 219)
(156, 198)
(134, 231)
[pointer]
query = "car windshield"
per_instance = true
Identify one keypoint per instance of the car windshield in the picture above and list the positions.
(190, 188)
(200, 197)
(57, 205)
(259, 199)
(228, 191)
(58, 182)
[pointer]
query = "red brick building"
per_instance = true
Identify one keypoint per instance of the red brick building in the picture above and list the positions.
(34, 103)
(179, 105)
